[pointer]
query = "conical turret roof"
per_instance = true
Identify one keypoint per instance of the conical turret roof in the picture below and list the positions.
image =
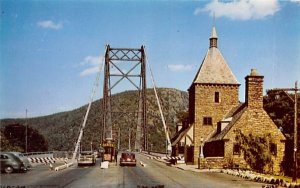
(214, 68)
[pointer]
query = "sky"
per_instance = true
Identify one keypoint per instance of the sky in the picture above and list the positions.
(51, 51)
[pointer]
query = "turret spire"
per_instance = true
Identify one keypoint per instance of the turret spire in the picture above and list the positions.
(213, 38)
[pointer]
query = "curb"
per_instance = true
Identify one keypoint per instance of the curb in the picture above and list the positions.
(64, 166)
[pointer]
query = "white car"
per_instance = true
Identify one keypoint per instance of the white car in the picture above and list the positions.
(86, 158)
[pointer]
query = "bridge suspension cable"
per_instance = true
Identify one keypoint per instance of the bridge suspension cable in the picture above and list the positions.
(96, 84)
(159, 107)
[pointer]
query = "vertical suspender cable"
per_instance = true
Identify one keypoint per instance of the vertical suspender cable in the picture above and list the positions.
(159, 106)
(88, 109)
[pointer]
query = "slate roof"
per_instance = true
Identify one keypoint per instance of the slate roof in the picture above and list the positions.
(214, 68)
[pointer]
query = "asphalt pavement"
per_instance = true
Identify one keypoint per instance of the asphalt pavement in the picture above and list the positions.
(153, 173)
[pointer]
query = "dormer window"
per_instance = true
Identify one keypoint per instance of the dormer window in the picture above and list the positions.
(217, 97)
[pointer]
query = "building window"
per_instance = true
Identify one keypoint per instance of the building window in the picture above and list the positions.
(273, 148)
(236, 149)
(217, 97)
(207, 121)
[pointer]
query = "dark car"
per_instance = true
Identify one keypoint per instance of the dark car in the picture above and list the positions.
(127, 158)
(10, 163)
(23, 158)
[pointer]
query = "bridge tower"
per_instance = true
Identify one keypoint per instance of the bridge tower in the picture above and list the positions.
(135, 73)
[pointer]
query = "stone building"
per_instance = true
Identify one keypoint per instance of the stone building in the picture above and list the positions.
(215, 113)
(183, 143)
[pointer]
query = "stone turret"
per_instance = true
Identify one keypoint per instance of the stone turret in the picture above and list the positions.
(213, 40)
(213, 93)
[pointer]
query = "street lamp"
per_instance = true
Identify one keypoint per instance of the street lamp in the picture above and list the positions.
(201, 155)
(201, 147)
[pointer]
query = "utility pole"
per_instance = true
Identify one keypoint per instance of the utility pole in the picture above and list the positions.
(119, 137)
(26, 132)
(295, 134)
(129, 147)
(295, 101)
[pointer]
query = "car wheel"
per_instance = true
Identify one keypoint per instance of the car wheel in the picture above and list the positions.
(8, 169)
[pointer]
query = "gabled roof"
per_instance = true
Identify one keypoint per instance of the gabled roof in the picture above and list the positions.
(180, 135)
(214, 68)
(235, 113)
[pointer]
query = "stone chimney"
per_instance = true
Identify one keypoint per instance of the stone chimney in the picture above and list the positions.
(254, 90)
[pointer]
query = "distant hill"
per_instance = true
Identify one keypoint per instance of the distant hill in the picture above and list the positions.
(61, 130)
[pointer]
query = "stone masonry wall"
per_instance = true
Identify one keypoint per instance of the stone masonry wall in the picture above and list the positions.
(253, 121)
(258, 123)
(213, 163)
(205, 106)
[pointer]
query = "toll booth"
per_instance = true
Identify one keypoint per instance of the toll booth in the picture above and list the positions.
(109, 151)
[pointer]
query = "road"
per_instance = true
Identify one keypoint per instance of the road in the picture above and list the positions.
(153, 175)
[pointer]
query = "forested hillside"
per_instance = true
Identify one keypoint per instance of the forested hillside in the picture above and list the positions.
(61, 130)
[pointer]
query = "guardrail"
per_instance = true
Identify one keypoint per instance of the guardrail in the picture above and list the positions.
(38, 153)
(157, 153)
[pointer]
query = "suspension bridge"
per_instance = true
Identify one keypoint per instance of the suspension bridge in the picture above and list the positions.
(112, 66)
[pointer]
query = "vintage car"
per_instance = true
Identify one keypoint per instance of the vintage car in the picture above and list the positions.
(10, 163)
(86, 158)
(23, 158)
(127, 158)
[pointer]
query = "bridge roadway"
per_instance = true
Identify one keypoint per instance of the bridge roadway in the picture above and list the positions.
(154, 174)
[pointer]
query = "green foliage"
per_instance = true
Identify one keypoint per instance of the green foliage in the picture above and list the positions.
(61, 130)
(182, 116)
(256, 151)
(7, 146)
(15, 139)
(280, 108)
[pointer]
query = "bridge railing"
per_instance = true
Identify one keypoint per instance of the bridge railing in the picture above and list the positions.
(38, 153)
(64, 154)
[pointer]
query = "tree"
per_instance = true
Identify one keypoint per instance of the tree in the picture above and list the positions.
(280, 108)
(16, 136)
(7, 146)
(182, 116)
(256, 151)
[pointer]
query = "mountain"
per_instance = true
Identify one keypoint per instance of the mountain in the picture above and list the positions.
(61, 130)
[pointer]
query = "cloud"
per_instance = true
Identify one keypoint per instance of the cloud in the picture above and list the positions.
(295, 1)
(48, 24)
(180, 67)
(91, 64)
(241, 9)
